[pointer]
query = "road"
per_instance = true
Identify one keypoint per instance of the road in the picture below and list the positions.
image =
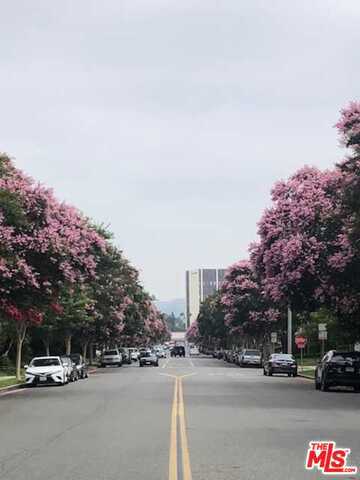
(190, 418)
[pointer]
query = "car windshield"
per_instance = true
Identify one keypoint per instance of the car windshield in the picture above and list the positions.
(110, 352)
(283, 356)
(146, 354)
(45, 362)
(252, 353)
(76, 358)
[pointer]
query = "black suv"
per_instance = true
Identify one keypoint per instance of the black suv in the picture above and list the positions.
(178, 351)
(338, 369)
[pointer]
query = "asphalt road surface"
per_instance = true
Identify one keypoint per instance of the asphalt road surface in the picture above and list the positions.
(188, 419)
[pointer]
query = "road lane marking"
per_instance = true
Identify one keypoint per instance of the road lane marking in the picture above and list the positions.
(178, 416)
(186, 468)
(191, 362)
(173, 469)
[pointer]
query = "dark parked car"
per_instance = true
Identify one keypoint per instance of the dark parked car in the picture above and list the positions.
(80, 365)
(280, 363)
(338, 369)
(178, 351)
(148, 358)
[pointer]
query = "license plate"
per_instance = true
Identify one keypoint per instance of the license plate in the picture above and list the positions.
(42, 379)
(350, 369)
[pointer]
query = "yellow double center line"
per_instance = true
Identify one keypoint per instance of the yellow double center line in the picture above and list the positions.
(178, 417)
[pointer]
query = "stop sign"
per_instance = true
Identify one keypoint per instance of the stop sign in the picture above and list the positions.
(300, 341)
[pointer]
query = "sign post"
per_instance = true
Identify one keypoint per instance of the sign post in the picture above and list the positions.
(322, 337)
(301, 341)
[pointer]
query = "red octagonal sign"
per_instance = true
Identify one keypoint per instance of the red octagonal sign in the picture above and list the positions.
(300, 341)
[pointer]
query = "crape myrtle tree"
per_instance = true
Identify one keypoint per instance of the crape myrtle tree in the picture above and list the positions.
(249, 314)
(304, 243)
(347, 283)
(44, 245)
(193, 334)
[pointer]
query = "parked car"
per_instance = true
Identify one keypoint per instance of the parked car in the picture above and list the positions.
(134, 354)
(178, 351)
(280, 363)
(111, 357)
(80, 365)
(125, 353)
(250, 358)
(45, 371)
(194, 350)
(338, 369)
(148, 357)
(71, 370)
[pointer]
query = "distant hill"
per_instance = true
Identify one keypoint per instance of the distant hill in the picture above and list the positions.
(176, 306)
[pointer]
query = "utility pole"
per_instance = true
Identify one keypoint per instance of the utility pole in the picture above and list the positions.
(289, 331)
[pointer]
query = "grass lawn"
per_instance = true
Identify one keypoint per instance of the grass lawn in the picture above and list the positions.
(8, 381)
(307, 372)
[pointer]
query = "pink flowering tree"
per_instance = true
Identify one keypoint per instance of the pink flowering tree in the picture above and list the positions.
(248, 312)
(44, 246)
(192, 333)
(304, 242)
(347, 297)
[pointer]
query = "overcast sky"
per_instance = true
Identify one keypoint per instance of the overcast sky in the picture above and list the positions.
(170, 120)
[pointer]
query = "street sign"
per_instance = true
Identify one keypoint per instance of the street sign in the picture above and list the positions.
(322, 334)
(322, 327)
(300, 341)
(273, 337)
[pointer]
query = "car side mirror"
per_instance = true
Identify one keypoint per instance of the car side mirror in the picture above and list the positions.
(26, 366)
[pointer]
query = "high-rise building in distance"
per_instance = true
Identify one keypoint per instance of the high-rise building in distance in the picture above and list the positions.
(199, 285)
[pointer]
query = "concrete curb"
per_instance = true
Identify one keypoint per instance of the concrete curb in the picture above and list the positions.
(307, 378)
(12, 387)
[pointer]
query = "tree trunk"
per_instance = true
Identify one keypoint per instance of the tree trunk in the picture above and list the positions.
(91, 353)
(68, 344)
(46, 343)
(21, 332)
(6, 353)
(85, 346)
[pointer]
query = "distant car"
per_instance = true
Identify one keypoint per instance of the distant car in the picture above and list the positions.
(134, 354)
(194, 350)
(45, 371)
(338, 369)
(148, 358)
(249, 358)
(178, 351)
(280, 363)
(111, 357)
(126, 357)
(71, 369)
(80, 365)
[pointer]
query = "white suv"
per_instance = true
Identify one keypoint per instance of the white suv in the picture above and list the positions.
(45, 371)
(111, 357)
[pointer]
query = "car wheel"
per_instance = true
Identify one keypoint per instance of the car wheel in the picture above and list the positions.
(120, 365)
(140, 365)
(324, 387)
(103, 365)
(295, 374)
(317, 384)
(264, 371)
(270, 372)
(356, 388)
